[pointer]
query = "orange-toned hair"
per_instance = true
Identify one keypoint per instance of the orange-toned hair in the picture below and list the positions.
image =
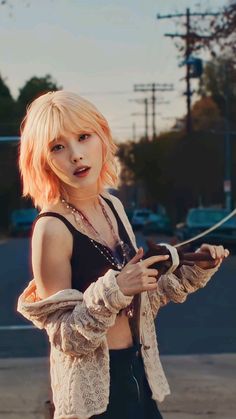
(48, 117)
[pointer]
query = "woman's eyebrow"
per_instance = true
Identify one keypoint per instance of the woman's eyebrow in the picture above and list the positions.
(52, 142)
(55, 140)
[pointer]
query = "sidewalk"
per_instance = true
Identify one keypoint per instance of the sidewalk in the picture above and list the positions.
(203, 386)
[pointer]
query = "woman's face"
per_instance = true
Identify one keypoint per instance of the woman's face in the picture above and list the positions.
(71, 152)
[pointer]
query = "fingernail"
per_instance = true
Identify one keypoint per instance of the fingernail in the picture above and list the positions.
(167, 256)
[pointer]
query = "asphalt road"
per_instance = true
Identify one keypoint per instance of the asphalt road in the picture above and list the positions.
(205, 323)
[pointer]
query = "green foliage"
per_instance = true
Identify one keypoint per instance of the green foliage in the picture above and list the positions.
(206, 115)
(216, 33)
(33, 88)
(11, 111)
(11, 114)
(219, 82)
(7, 109)
(178, 171)
(223, 33)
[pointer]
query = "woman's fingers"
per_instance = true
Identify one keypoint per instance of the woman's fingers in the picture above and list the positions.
(220, 252)
(151, 287)
(227, 252)
(217, 252)
(154, 259)
(137, 257)
(151, 272)
(209, 248)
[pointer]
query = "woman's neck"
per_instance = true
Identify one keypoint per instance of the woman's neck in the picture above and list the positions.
(85, 201)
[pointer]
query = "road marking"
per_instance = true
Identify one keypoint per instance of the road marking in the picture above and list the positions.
(17, 327)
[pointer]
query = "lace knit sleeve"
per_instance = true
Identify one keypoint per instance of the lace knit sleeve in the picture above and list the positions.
(79, 328)
(173, 288)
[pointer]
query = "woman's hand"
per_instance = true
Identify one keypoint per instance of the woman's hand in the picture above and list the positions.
(217, 252)
(136, 277)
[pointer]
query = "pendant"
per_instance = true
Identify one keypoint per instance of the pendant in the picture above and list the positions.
(119, 267)
(130, 313)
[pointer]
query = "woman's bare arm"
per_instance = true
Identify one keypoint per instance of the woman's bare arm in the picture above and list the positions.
(80, 329)
(51, 253)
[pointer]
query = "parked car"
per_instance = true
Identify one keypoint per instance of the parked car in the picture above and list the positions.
(158, 224)
(129, 213)
(200, 219)
(141, 217)
(21, 221)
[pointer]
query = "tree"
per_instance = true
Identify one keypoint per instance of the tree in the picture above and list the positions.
(33, 88)
(223, 32)
(206, 115)
(219, 82)
(177, 171)
(11, 114)
(7, 109)
(216, 34)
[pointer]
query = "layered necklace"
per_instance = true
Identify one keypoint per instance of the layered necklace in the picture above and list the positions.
(111, 256)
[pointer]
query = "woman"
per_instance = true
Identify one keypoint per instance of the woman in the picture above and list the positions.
(92, 292)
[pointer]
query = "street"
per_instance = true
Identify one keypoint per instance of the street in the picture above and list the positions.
(205, 323)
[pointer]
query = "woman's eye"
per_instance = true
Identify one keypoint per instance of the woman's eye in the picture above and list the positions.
(84, 136)
(56, 147)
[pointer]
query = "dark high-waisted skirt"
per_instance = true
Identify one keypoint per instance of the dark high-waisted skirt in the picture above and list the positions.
(130, 394)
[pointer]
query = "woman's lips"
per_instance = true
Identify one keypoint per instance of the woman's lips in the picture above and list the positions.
(83, 173)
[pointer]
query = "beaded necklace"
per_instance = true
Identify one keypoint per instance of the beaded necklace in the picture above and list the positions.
(106, 252)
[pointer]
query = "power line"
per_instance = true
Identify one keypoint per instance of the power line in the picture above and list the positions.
(107, 93)
(145, 102)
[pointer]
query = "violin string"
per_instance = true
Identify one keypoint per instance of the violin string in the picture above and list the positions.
(209, 230)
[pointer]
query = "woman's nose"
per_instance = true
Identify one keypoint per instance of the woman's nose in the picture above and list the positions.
(76, 154)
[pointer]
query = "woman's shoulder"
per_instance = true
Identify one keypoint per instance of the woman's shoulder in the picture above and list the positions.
(48, 224)
(51, 250)
(114, 199)
(56, 208)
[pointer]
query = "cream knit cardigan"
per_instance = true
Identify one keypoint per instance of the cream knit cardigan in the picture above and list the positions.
(77, 324)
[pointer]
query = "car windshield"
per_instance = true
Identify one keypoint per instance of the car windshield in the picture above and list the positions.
(143, 213)
(201, 217)
(24, 214)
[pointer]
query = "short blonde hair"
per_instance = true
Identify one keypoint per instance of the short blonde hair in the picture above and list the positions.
(48, 117)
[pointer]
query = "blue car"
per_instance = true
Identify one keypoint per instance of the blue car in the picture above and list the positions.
(200, 219)
(21, 221)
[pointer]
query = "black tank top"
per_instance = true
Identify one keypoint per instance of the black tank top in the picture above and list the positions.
(87, 262)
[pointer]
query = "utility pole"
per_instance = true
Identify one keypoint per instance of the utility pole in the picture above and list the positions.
(228, 146)
(153, 88)
(146, 117)
(145, 101)
(134, 132)
(153, 112)
(189, 36)
(188, 84)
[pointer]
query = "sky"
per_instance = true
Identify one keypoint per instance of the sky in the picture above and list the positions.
(100, 49)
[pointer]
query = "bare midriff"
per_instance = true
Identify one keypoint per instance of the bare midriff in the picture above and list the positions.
(119, 336)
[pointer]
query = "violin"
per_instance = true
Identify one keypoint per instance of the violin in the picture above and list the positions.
(177, 257)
